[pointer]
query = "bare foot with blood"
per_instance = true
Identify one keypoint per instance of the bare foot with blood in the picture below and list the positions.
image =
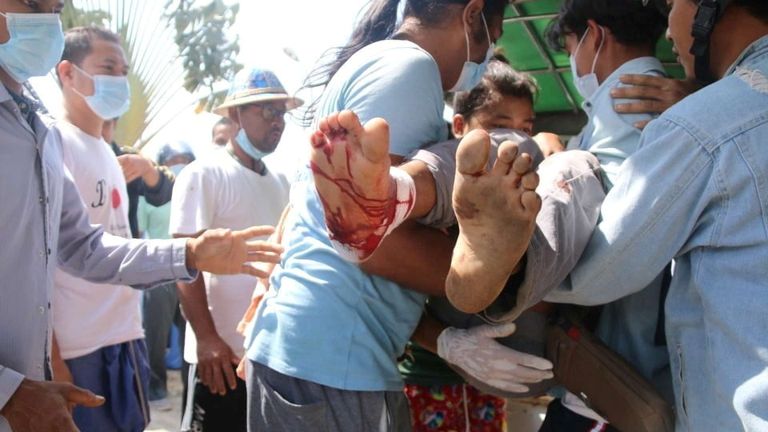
(363, 199)
(496, 211)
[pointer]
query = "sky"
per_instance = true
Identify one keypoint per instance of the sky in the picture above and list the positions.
(266, 30)
(308, 28)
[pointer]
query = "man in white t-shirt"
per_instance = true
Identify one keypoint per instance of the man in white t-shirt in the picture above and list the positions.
(233, 188)
(98, 334)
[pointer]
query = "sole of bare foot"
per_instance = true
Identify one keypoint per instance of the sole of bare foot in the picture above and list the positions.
(496, 210)
(362, 197)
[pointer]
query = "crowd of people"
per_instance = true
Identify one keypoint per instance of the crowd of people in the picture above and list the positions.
(412, 274)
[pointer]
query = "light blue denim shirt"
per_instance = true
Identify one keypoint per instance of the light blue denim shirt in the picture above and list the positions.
(610, 136)
(43, 223)
(697, 191)
(628, 325)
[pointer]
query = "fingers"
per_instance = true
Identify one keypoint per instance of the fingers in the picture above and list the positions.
(205, 374)
(229, 373)
(264, 257)
(79, 396)
(532, 361)
(241, 369)
(642, 124)
(509, 386)
(254, 271)
(638, 92)
(493, 331)
(644, 80)
(254, 231)
(262, 246)
(217, 382)
(526, 375)
(642, 107)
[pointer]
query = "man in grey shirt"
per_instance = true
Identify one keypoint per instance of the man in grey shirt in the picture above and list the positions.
(43, 224)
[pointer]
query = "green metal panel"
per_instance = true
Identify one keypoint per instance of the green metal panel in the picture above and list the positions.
(524, 44)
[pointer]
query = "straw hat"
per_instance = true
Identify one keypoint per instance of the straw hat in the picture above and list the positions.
(256, 85)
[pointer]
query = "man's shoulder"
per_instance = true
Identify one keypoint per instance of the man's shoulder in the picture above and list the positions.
(719, 111)
(391, 59)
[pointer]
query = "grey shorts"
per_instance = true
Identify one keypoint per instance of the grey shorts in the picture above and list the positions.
(280, 403)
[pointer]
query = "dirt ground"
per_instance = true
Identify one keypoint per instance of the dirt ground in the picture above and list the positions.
(168, 421)
(526, 416)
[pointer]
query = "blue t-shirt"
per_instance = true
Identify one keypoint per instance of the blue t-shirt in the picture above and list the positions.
(325, 320)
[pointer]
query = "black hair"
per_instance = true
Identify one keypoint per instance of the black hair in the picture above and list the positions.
(500, 79)
(380, 23)
(756, 8)
(224, 121)
(632, 22)
(78, 42)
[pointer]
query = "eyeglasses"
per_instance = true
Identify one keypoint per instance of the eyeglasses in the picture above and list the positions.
(269, 113)
(35, 6)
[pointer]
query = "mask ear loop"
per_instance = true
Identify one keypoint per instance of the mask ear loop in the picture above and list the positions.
(600, 48)
(79, 69)
(487, 32)
(466, 38)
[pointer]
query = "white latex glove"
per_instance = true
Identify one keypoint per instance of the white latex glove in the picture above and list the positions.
(476, 351)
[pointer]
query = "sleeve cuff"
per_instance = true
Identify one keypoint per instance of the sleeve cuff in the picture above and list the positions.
(179, 261)
(10, 380)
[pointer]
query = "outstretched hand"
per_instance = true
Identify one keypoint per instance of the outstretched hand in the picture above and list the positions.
(476, 351)
(39, 406)
(654, 94)
(222, 251)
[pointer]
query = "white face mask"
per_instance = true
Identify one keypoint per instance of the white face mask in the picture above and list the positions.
(588, 84)
(111, 95)
(471, 72)
(35, 45)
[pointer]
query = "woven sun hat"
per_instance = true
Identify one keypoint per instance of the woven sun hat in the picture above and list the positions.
(253, 85)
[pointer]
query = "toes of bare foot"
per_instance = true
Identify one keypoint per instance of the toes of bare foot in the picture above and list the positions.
(473, 152)
(362, 200)
(496, 211)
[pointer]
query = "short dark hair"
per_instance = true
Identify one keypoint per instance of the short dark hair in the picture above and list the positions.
(756, 8)
(224, 121)
(78, 42)
(499, 79)
(632, 22)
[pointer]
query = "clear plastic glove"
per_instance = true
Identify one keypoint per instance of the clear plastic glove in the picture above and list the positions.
(476, 351)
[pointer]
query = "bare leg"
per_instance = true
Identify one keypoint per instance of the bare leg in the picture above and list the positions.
(496, 211)
(363, 199)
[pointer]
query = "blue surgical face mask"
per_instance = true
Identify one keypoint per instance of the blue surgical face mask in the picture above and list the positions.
(588, 84)
(111, 95)
(35, 45)
(471, 72)
(176, 169)
(247, 146)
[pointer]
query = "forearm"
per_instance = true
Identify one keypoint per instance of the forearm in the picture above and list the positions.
(427, 332)
(194, 305)
(86, 251)
(158, 186)
(414, 256)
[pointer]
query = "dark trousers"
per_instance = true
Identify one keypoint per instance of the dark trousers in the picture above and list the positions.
(210, 412)
(561, 419)
(160, 308)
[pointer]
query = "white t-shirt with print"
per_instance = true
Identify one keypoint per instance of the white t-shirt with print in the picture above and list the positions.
(218, 192)
(89, 316)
